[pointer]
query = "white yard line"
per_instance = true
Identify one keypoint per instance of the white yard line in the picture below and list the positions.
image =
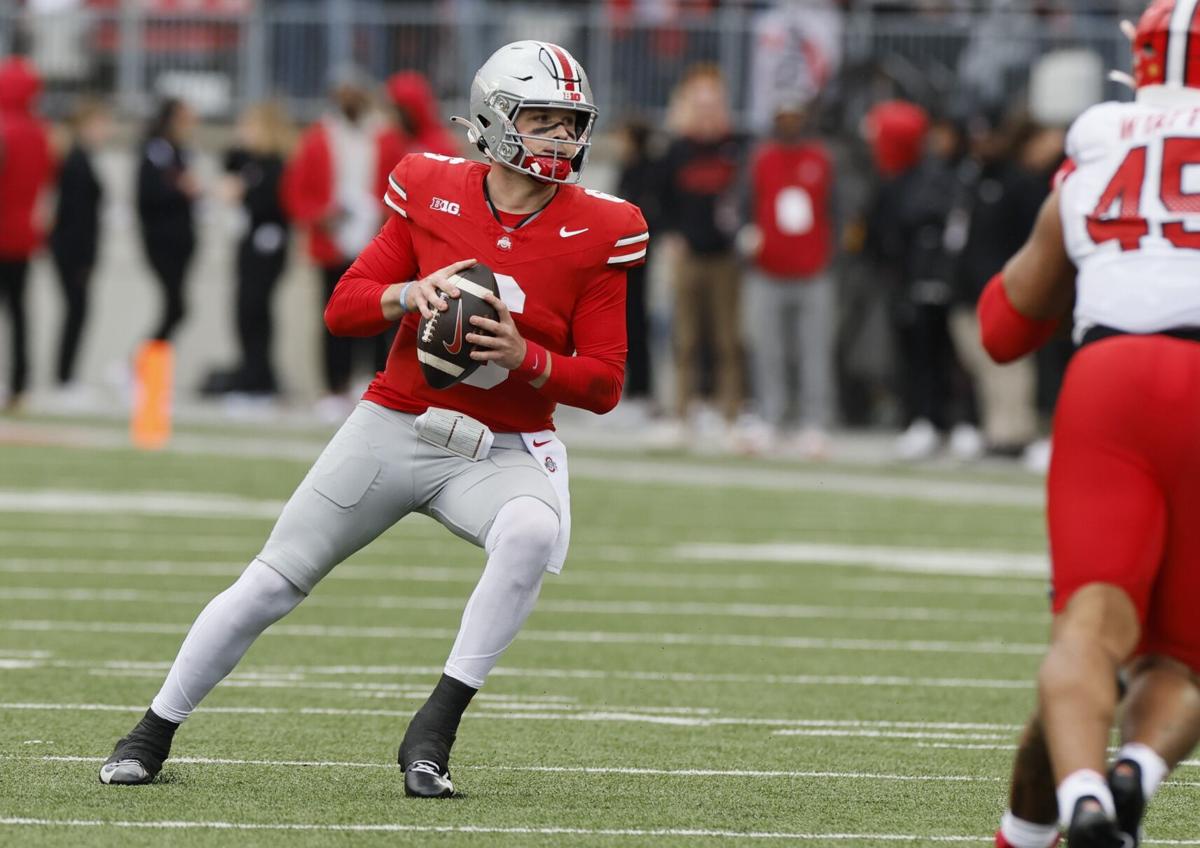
(631, 472)
(214, 505)
(592, 637)
(669, 833)
(764, 774)
(912, 560)
(639, 471)
(889, 734)
(585, 714)
(904, 584)
(379, 573)
(301, 672)
(600, 770)
(620, 608)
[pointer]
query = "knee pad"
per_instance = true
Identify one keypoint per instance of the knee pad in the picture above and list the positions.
(526, 529)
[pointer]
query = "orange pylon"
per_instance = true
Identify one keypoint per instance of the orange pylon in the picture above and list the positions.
(153, 366)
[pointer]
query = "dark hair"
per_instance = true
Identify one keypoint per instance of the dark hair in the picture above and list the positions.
(160, 124)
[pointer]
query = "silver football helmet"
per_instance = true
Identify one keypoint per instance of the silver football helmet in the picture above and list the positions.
(528, 74)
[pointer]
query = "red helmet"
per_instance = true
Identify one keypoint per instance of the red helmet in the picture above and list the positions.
(1166, 45)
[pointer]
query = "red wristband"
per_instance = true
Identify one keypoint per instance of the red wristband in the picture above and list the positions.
(1006, 333)
(535, 361)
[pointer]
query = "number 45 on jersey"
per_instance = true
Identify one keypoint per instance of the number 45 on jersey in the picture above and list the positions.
(1119, 217)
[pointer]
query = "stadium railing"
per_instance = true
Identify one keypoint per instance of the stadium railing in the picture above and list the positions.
(238, 51)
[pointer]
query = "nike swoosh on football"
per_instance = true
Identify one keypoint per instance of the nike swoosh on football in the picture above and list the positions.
(456, 345)
(565, 233)
(542, 444)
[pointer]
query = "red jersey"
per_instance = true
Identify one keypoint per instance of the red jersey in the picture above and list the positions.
(562, 276)
(26, 160)
(792, 185)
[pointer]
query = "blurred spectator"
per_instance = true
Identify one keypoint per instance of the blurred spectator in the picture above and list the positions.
(75, 237)
(417, 110)
(26, 168)
(700, 172)
(254, 176)
(789, 292)
(639, 183)
(166, 191)
(905, 235)
(997, 213)
(334, 185)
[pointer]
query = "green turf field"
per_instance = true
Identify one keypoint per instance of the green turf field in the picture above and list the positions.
(736, 653)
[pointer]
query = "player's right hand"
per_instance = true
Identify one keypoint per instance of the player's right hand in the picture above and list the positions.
(427, 295)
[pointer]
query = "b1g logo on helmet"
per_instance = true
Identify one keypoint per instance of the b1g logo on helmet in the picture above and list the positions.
(573, 96)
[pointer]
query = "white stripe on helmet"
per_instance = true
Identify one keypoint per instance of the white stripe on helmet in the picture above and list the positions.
(1177, 40)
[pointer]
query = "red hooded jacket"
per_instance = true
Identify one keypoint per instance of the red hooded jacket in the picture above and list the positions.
(896, 130)
(26, 163)
(309, 181)
(410, 91)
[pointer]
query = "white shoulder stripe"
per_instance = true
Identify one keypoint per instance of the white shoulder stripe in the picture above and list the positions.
(632, 239)
(387, 198)
(628, 257)
(396, 187)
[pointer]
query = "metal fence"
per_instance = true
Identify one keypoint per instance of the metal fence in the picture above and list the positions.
(948, 52)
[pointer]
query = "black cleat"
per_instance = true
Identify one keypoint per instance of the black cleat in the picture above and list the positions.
(1092, 828)
(426, 779)
(1125, 781)
(425, 751)
(138, 757)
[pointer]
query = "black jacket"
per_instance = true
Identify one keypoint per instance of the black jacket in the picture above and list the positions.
(905, 231)
(261, 176)
(700, 182)
(76, 232)
(1001, 205)
(164, 209)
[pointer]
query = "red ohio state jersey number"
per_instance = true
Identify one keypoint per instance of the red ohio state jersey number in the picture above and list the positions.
(1124, 192)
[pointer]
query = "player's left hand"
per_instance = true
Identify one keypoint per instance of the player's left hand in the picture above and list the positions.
(500, 340)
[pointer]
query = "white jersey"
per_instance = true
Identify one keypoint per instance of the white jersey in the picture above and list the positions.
(1131, 213)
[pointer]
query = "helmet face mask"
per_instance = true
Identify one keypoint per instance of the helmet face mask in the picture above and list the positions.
(531, 75)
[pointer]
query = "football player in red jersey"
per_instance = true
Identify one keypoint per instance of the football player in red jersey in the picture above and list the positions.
(1117, 237)
(559, 254)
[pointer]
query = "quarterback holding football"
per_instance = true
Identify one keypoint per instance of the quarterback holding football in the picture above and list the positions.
(508, 282)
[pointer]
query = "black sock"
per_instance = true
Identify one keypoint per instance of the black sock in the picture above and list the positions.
(431, 732)
(158, 725)
(149, 742)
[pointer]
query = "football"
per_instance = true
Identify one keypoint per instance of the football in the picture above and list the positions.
(444, 354)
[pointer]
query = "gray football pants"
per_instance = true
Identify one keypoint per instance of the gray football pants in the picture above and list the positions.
(374, 472)
(789, 329)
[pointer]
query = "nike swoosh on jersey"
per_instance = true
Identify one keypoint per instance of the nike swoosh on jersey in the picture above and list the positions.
(455, 346)
(542, 444)
(565, 233)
